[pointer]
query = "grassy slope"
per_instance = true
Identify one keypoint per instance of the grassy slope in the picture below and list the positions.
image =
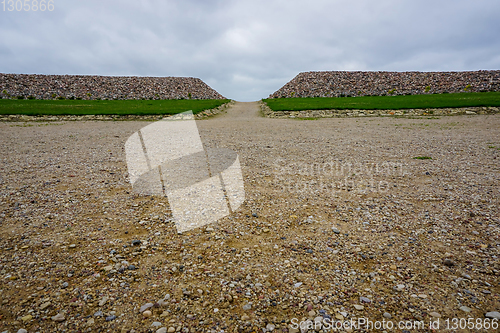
(95, 107)
(386, 102)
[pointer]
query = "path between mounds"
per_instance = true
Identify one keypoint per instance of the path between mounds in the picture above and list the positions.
(241, 111)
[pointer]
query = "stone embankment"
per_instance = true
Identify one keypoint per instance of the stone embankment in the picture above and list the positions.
(334, 113)
(341, 83)
(87, 87)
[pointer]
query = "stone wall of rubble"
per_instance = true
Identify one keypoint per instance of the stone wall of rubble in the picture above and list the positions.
(149, 117)
(103, 87)
(334, 113)
(339, 84)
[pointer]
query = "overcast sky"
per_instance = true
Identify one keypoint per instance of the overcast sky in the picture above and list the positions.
(248, 49)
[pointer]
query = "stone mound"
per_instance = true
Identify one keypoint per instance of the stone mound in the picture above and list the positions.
(341, 83)
(103, 87)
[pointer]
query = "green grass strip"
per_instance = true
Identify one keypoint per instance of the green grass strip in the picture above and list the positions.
(106, 107)
(386, 102)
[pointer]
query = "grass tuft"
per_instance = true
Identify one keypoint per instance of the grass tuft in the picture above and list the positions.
(422, 158)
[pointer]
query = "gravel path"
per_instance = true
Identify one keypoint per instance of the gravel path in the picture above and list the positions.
(340, 222)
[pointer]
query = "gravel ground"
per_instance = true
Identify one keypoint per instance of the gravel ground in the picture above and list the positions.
(340, 221)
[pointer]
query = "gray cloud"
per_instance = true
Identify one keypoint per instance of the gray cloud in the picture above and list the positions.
(248, 49)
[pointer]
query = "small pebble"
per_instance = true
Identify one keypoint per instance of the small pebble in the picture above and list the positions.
(270, 327)
(103, 301)
(448, 262)
(145, 307)
(27, 318)
(59, 317)
(435, 315)
(493, 315)
(44, 305)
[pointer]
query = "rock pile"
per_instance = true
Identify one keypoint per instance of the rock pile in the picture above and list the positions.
(335, 113)
(341, 83)
(103, 87)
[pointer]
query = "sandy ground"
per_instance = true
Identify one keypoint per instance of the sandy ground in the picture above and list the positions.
(340, 222)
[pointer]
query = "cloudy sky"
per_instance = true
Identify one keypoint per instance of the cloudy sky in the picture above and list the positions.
(248, 49)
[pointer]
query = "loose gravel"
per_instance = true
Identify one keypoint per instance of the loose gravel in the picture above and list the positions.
(381, 217)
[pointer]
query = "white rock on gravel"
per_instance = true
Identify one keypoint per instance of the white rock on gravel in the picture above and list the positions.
(493, 315)
(59, 317)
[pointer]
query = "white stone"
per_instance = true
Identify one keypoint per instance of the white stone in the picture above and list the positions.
(493, 315)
